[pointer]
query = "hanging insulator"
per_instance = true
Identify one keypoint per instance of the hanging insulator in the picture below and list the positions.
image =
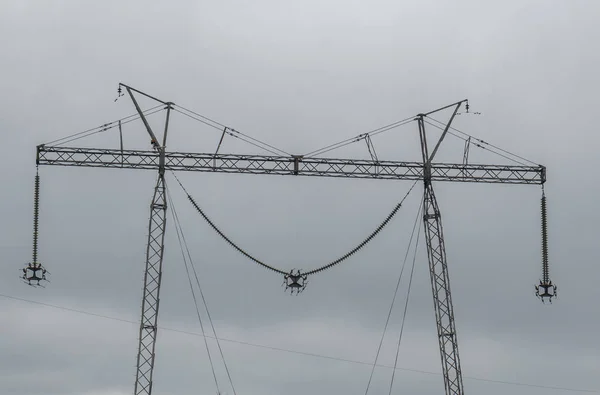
(545, 289)
(545, 274)
(36, 212)
(34, 273)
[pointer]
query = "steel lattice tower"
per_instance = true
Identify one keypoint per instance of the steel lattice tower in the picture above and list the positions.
(296, 165)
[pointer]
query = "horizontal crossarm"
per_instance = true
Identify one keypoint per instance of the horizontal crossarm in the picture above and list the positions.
(294, 165)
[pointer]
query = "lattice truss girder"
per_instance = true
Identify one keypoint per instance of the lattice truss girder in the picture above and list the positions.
(152, 279)
(442, 299)
(281, 165)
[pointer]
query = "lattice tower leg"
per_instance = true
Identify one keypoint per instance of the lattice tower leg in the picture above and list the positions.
(152, 279)
(442, 300)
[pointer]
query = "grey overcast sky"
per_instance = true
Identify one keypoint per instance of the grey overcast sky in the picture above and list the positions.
(300, 75)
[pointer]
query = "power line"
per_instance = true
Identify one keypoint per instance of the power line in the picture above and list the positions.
(105, 127)
(279, 349)
(329, 265)
(412, 271)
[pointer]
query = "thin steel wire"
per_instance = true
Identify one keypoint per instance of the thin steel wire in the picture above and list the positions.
(279, 349)
(412, 270)
(233, 130)
(104, 127)
(355, 139)
(253, 144)
(187, 270)
(107, 128)
(203, 298)
(387, 321)
(477, 144)
(229, 132)
(485, 143)
(219, 126)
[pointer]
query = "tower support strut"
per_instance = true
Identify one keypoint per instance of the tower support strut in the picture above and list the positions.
(442, 299)
(152, 280)
(154, 259)
(438, 268)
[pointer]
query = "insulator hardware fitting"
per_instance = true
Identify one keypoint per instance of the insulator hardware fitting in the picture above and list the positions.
(546, 290)
(34, 274)
(295, 281)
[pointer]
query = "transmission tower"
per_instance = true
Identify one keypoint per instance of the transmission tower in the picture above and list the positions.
(427, 171)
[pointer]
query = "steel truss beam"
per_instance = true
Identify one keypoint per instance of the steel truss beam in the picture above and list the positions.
(281, 165)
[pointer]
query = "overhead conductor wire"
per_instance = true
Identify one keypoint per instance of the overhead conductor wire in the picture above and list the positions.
(185, 245)
(280, 271)
(394, 298)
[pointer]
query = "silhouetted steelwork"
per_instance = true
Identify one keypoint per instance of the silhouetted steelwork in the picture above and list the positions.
(154, 258)
(296, 165)
(152, 280)
(281, 165)
(442, 298)
(438, 267)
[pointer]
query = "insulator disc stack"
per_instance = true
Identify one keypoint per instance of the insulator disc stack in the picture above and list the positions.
(545, 269)
(36, 212)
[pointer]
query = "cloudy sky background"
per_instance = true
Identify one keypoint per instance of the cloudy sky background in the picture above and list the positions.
(300, 76)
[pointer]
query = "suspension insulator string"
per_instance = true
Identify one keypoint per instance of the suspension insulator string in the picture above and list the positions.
(545, 289)
(545, 269)
(34, 273)
(36, 213)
